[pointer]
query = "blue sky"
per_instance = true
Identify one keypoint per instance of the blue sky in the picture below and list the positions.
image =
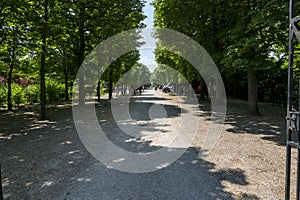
(146, 51)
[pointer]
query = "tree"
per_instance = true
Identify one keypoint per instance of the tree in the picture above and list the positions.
(44, 36)
(119, 67)
(13, 29)
(238, 36)
(92, 29)
(262, 23)
(54, 37)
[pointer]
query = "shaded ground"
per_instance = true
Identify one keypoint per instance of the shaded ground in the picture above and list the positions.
(256, 146)
(46, 159)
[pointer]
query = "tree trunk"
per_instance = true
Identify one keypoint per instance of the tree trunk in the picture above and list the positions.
(9, 78)
(98, 91)
(110, 87)
(80, 61)
(66, 83)
(252, 92)
(9, 100)
(43, 62)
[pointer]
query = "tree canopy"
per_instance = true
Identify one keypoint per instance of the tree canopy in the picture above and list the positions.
(45, 41)
(242, 37)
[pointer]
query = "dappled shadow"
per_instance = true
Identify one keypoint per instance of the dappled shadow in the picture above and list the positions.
(190, 177)
(140, 110)
(139, 107)
(148, 98)
(46, 160)
(33, 152)
(270, 126)
(140, 121)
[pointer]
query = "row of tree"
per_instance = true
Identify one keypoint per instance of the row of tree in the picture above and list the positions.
(50, 38)
(43, 39)
(246, 39)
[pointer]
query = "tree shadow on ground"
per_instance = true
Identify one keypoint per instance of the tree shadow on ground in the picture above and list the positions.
(148, 98)
(46, 160)
(270, 126)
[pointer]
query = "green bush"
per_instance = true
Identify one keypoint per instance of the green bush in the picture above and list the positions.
(103, 91)
(18, 94)
(3, 95)
(55, 91)
(33, 94)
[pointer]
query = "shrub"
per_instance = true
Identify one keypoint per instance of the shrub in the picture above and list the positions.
(18, 94)
(55, 91)
(32, 94)
(3, 95)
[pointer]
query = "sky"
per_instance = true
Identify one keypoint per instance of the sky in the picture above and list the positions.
(147, 56)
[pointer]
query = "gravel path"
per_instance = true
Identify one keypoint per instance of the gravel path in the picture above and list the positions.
(47, 160)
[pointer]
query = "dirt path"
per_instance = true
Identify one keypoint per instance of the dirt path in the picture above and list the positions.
(254, 147)
(46, 159)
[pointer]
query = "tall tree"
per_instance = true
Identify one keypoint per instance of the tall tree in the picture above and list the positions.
(55, 36)
(13, 30)
(263, 23)
(238, 36)
(92, 29)
(44, 34)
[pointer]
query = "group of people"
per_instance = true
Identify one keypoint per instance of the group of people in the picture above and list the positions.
(189, 89)
(129, 90)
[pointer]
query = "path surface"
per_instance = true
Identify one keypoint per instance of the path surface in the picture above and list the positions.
(47, 160)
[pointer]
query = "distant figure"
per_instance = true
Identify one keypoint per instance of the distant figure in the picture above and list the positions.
(194, 84)
(201, 92)
(125, 90)
(140, 89)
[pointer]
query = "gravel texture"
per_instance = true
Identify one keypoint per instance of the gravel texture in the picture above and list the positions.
(45, 159)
